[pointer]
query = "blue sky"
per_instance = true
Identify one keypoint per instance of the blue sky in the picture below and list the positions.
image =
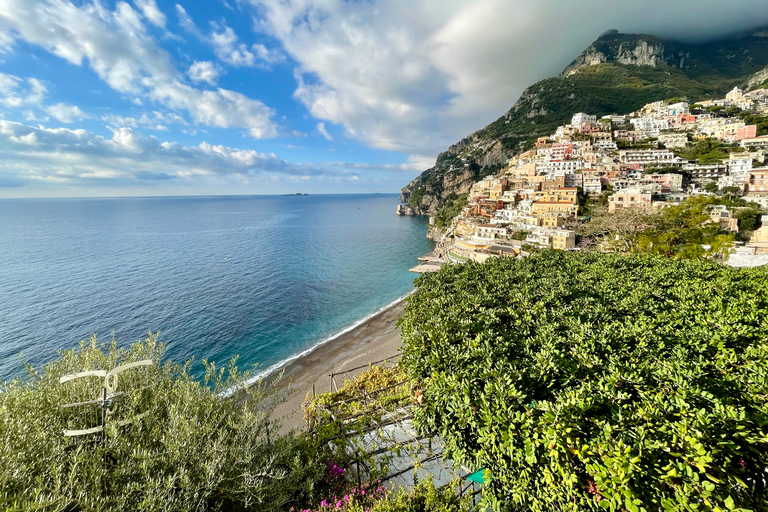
(156, 97)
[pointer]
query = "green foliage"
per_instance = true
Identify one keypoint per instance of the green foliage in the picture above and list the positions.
(367, 397)
(417, 194)
(191, 450)
(424, 497)
(682, 231)
(450, 209)
(707, 151)
(586, 381)
(749, 218)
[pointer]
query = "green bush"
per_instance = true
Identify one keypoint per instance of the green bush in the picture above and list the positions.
(192, 449)
(588, 381)
(424, 497)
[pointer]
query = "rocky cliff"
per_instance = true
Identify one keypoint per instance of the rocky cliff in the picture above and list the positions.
(627, 49)
(617, 73)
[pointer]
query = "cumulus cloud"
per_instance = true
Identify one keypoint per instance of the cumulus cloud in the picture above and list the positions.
(204, 71)
(323, 131)
(116, 46)
(228, 49)
(65, 113)
(415, 76)
(16, 92)
(155, 120)
(36, 154)
(227, 46)
(150, 11)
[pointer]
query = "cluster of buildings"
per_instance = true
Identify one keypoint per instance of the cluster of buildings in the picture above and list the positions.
(535, 201)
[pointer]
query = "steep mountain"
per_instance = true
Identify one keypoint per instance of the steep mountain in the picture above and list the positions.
(618, 73)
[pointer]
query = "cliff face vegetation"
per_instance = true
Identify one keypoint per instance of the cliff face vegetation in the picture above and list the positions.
(618, 73)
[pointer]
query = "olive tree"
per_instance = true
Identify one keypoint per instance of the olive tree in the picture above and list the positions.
(174, 442)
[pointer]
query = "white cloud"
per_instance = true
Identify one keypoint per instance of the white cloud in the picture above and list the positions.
(323, 131)
(228, 49)
(417, 75)
(59, 156)
(150, 11)
(186, 22)
(155, 120)
(116, 46)
(414, 164)
(6, 42)
(204, 71)
(227, 46)
(16, 92)
(65, 113)
(268, 55)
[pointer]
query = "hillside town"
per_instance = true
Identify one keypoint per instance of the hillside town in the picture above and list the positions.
(628, 161)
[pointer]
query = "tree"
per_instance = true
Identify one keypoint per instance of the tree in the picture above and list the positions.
(711, 187)
(732, 192)
(613, 232)
(588, 381)
(684, 231)
(188, 448)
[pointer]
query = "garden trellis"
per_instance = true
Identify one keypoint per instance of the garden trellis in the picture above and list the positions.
(109, 393)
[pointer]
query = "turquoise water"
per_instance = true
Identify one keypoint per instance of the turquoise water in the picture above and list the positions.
(264, 277)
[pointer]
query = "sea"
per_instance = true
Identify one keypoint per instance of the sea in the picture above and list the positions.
(264, 278)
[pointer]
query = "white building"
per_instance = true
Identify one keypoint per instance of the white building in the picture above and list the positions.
(735, 96)
(739, 165)
(676, 109)
(650, 126)
(581, 118)
(647, 156)
(673, 140)
(606, 145)
(560, 166)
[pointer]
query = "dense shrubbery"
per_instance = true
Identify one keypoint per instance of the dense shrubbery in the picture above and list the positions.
(192, 449)
(587, 381)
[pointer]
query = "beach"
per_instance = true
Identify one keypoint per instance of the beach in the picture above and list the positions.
(375, 339)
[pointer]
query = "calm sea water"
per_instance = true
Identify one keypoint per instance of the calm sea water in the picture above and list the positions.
(264, 277)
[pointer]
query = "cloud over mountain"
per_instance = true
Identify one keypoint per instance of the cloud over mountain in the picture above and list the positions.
(416, 76)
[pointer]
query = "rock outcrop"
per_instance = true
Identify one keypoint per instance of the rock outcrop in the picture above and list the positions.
(758, 78)
(627, 49)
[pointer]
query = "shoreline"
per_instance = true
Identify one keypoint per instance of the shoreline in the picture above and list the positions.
(373, 338)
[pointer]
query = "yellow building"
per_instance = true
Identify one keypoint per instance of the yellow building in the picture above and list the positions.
(553, 220)
(564, 239)
(561, 207)
(560, 195)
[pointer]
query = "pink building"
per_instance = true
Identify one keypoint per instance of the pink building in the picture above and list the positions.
(561, 151)
(747, 132)
(629, 198)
